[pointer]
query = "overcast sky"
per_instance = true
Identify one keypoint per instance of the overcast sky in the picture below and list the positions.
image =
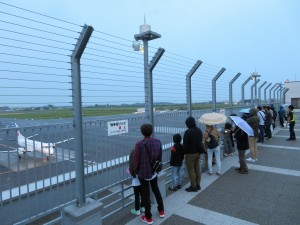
(242, 36)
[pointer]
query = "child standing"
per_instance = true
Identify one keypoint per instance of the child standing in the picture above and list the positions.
(177, 156)
(137, 188)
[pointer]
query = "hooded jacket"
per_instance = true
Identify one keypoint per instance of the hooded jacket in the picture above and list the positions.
(253, 121)
(192, 138)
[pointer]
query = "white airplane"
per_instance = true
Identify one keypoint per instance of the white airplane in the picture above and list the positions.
(25, 144)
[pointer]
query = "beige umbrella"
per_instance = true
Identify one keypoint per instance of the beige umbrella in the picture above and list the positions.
(212, 118)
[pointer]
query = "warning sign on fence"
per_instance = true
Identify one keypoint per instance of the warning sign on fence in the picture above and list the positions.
(117, 127)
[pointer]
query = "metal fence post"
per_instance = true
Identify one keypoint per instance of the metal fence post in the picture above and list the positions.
(259, 91)
(214, 89)
(270, 96)
(230, 91)
(151, 66)
(85, 210)
(254, 86)
(283, 94)
(279, 92)
(243, 90)
(265, 91)
(189, 86)
(77, 111)
(274, 95)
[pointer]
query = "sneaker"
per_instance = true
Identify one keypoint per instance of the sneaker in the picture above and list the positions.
(161, 214)
(218, 174)
(191, 189)
(172, 188)
(209, 173)
(225, 154)
(231, 154)
(250, 160)
(135, 212)
(198, 187)
(142, 209)
(178, 186)
(237, 168)
(148, 221)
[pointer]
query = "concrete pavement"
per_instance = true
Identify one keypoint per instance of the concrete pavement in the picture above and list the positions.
(269, 194)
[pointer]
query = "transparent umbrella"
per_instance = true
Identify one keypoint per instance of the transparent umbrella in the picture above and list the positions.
(242, 124)
(212, 118)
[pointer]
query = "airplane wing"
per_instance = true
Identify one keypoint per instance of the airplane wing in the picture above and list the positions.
(59, 142)
(33, 135)
(9, 147)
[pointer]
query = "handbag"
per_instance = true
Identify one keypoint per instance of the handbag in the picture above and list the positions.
(156, 165)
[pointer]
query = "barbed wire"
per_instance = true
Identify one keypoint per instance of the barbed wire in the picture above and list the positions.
(109, 66)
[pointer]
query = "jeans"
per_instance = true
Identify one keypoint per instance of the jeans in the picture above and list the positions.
(176, 175)
(210, 152)
(146, 196)
(192, 162)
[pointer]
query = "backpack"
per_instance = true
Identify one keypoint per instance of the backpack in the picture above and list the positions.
(211, 141)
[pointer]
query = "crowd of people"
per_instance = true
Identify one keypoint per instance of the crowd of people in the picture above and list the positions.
(262, 121)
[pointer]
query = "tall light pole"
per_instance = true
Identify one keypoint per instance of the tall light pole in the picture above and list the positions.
(254, 75)
(146, 35)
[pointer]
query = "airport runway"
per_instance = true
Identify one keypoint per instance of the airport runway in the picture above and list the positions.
(98, 146)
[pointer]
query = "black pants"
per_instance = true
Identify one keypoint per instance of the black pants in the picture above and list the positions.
(261, 135)
(146, 196)
(281, 121)
(292, 132)
(138, 197)
(268, 131)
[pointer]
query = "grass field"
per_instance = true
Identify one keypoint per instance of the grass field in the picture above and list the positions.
(90, 112)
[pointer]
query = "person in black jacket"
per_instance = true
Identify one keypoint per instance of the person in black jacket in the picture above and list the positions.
(177, 156)
(242, 145)
(193, 147)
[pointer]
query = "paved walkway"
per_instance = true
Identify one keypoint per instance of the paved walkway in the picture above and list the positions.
(269, 194)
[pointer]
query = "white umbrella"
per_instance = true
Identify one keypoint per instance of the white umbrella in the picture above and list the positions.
(212, 118)
(242, 124)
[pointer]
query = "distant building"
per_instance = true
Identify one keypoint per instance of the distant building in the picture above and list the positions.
(292, 96)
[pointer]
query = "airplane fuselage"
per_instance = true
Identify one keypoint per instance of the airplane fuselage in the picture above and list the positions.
(32, 145)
